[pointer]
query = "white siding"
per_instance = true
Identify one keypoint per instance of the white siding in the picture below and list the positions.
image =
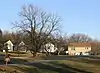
(49, 47)
(78, 50)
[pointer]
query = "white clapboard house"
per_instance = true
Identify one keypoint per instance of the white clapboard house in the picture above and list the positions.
(9, 45)
(49, 47)
(22, 47)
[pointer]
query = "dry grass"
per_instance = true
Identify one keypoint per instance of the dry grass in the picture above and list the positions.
(93, 68)
(66, 66)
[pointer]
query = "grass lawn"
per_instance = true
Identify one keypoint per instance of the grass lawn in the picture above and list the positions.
(60, 66)
(15, 54)
(64, 66)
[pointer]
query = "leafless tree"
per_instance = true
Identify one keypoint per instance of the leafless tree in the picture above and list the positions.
(38, 24)
(1, 44)
(60, 42)
(0, 33)
(95, 48)
(79, 38)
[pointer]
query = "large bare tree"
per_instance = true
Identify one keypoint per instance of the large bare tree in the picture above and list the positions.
(79, 38)
(38, 24)
(1, 44)
(60, 42)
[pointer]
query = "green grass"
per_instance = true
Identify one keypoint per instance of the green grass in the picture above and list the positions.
(64, 66)
(25, 69)
(83, 66)
(89, 61)
(60, 66)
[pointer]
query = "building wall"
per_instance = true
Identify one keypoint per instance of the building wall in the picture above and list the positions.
(9, 46)
(49, 47)
(78, 50)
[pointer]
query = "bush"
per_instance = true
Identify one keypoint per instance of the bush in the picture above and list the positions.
(16, 52)
(62, 53)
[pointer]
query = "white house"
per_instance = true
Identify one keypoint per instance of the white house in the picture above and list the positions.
(22, 46)
(79, 48)
(49, 47)
(9, 46)
(21, 43)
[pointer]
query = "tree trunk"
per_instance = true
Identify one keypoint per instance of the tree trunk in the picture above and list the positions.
(6, 52)
(48, 54)
(58, 52)
(18, 53)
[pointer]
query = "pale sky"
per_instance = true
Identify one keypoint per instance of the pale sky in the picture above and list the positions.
(78, 16)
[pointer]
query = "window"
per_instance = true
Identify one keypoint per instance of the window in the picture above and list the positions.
(86, 47)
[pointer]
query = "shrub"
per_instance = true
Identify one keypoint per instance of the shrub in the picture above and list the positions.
(16, 52)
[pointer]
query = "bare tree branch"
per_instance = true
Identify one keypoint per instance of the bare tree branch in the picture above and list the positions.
(38, 24)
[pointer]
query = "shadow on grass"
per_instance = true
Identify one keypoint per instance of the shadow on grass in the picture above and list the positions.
(26, 69)
(2, 62)
(32, 70)
(89, 61)
(14, 61)
(68, 67)
(18, 61)
(60, 68)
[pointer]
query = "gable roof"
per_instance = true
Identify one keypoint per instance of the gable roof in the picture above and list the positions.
(21, 43)
(83, 44)
(9, 42)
